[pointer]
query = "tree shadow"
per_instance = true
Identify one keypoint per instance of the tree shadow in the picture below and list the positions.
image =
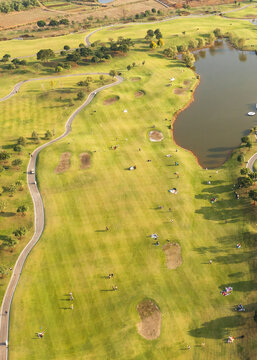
(7, 214)
(241, 286)
(218, 328)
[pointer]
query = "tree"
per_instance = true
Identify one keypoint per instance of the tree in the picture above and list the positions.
(9, 242)
(245, 139)
(112, 73)
(189, 59)
(4, 155)
(217, 33)
(9, 189)
(53, 23)
(41, 23)
(101, 78)
(244, 182)
(17, 148)
(240, 158)
(64, 22)
(212, 37)
(153, 10)
(16, 162)
(255, 316)
(129, 67)
(241, 43)
(170, 52)
(201, 42)
(21, 231)
(3, 205)
(80, 95)
(253, 195)
(6, 57)
(3, 270)
(150, 33)
(45, 54)
(66, 47)
(244, 171)
(248, 144)
(34, 135)
(160, 42)
(192, 44)
(48, 135)
(21, 141)
(74, 56)
(22, 209)
(182, 48)
(58, 69)
(153, 45)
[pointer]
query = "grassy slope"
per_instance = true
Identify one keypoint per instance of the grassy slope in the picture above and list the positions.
(72, 256)
(37, 107)
(250, 12)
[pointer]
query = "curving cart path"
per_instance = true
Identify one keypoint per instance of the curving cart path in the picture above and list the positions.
(38, 207)
(251, 161)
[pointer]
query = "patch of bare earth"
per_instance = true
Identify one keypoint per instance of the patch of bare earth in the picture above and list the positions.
(139, 93)
(64, 163)
(179, 91)
(151, 320)
(173, 255)
(85, 161)
(156, 135)
(137, 78)
(111, 100)
(187, 82)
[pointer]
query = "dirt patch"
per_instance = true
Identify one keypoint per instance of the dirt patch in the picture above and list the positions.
(187, 82)
(85, 161)
(179, 91)
(151, 320)
(156, 135)
(173, 255)
(139, 93)
(137, 78)
(64, 163)
(111, 100)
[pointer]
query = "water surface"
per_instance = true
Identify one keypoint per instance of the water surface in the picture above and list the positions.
(212, 126)
(105, 1)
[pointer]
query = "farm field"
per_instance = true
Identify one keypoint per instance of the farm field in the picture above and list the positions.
(76, 253)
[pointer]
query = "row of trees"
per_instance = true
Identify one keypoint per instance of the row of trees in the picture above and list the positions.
(42, 23)
(95, 53)
(17, 5)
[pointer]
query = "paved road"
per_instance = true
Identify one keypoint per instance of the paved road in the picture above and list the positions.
(251, 161)
(38, 207)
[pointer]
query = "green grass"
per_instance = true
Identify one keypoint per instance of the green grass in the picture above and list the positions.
(250, 12)
(74, 253)
(255, 166)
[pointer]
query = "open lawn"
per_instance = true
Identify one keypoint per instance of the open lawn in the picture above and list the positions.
(250, 12)
(76, 253)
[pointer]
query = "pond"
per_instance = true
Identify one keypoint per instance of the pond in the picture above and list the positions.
(105, 1)
(212, 126)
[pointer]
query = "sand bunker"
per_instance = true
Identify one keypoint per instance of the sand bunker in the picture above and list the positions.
(64, 163)
(173, 255)
(156, 135)
(139, 93)
(111, 100)
(84, 161)
(137, 78)
(151, 320)
(179, 91)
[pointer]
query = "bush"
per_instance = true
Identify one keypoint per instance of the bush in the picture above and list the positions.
(4, 155)
(41, 23)
(17, 148)
(244, 182)
(53, 23)
(21, 141)
(80, 95)
(17, 162)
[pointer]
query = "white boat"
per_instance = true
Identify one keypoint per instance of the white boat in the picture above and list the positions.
(251, 113)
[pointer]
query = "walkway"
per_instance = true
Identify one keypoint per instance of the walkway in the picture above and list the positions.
(38, 207)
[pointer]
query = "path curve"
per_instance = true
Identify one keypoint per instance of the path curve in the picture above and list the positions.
(38, 206)
(251, 161)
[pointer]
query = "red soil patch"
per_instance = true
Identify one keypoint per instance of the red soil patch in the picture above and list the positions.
(64, 163)
(151, 320)
(85, 161)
